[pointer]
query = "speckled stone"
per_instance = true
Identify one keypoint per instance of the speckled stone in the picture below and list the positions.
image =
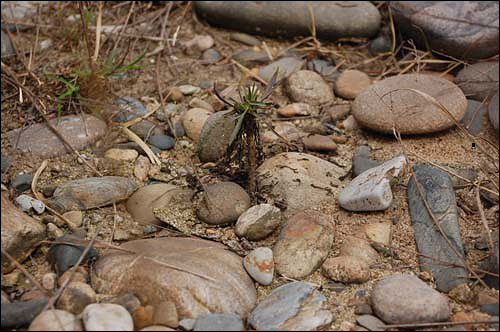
(308, 86)
(259, 264)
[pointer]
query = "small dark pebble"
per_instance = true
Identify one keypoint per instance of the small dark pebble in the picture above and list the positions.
(162, 142)
(381, 44)
(490, 308)
(48, 190)
(22, 182)
(63, 256)
(360, 294)
(211, 56)
(148, 229)
(363, 309)
(5, 164)
(179, 129)
(130, 107)
(21, 314)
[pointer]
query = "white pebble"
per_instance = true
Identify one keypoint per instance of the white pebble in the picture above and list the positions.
(107, 317)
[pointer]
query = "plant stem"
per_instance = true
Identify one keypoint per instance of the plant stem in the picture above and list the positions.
(250, 131)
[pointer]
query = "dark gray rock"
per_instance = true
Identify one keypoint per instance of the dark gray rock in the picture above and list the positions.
(493, 111)
(162, 142)
(218, 322)
(211, 56)
(21, 314)
(438, 191)
(7, 48)
(64, 256)
(244, 38)
(215, 134)
(278, 18)
(465, 29)
(370, 322)
(129, 108)
(247, 57)
(478, 81)
(324, 68)
(5, 164)
(22, 182)
(490, 308)
(293, 306)
(381, 44)
(361, 160)
(474, 115)
(285, 66)
(145, 128)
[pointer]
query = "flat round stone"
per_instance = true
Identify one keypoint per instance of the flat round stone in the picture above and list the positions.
(389, 102)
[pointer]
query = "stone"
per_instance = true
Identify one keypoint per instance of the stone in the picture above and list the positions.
(52, 319)
(211, 56)
(387, 103)
(378, 235)
(128, 300)
(199, 103)
(75, 297)
(189, 90)
(300, 180)
(200, 276)
(89, 193)
(291, 19)
(303, 244)
(324, 68)
(201, 42)
(7, 48)
(349, 124)
(360, 248)
(193, 121)
(5, 164)
(107, 317)
(285, 66)
(215, 135)
(166, 314)
(63, 256)
(363, 309)
(402, 299)
(351, 83)
(20, 314)
(293, 306)
(162, 142)
(478, 81)
(361, 160)
(187, 324)
(75, 217)
(146, 128)
(436, 253)
(175, 94)
(49, 281)
(26, 203)
(339, 111)
(53, 232)
(121, 154)
(371, 190)
(371, 322)
(295, 109)
(250, 57)
(129, 109)
(258, 222)
(244, 38)
(308, 86)
(142, 167)
(21, 182)
(319, 143)
(81, 275)
(141, 204)
(223, 203)
(381, 44)
(490, 308)
(474, 116)
(286, 130)
(19, 232)
(259, 264)
(491, 264)
(143, 316)
(218, 322)
(346, 269)
(493, 111)
(156, 328)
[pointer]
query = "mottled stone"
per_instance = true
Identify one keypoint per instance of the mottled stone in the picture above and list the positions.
(493, 111)
(20, 314)
(193, 121)
(319, 143)
(259, 264)
(258, 222)
(347, 269)
(218, 322)
(308, 86)
(478, 81)
(51, 320)
(351, 83)
(107, 317)
(215, 135)
(285, 67)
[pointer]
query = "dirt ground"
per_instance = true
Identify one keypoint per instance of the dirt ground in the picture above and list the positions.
(177, 65)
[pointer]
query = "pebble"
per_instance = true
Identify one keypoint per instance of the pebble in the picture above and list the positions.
(175, 94)
(319, 143)
(493, 112)
(351, 83)
(7, 48)
(49, 281)
(293, 306)
(187, 324)
(145, 128)
(339, 111)
(378, 234)
(371, 322)
(51, 320)
(346, 269)
(306, 85)
(478, 81)
(258, 222)
(130, 108)
(142, 167)
(322, 67)
(244, 38)
(21, 313)
(371, 190)
(188, 90)
(156, 328)
(211, 56)
(5, 164)
(225, 203)
(213, 275)
(201, 42)
(128, 300)
(285, 66)
(63, 256)
(121, 154)
(401, 299)
(218, 322)
(380, 113)
(166, 314)
(53, 232)
(286, 130)
(440, 196)
(361, 160)
(4, 297)
(75, 297)
(26, 203)
(250, 57)
(193, 121)
(360, 248)
(107, 317)
(162, 142)
(303, 244)
(455, 37)
(381, 44)
(363, 309)
(199, 103)
(215, 135)
(75, 217)
(295, 109)
(259, 264)
(143, 316)
(490, 308)
(80, 275)
(349, 124)
(21, 182)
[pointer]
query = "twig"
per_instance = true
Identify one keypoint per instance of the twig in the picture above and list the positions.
(143, 145)
(483, 219)
(98, 33)
(249, 72)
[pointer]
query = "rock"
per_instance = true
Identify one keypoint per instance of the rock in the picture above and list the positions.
(81, 275)
(53, 231)
(322, 67)
(250, 57)
(258, 222)
(360, 248)
(20, 233)
(63, 256)
(290, 18)
(467, 29)
(490, 308)
(156, 328)
(381, 44)
(166, 314)
(371, 322)
(21, 11)
(175, 94)
(5, 164)
(49, 281)
(7, 48)
(478, 81)
(218, 322)
(141, 204)
(361, 160)
(199, 103)
(52, 319)
(4, 297)
(222, 203)
(349, 124)
(363, 309)
(26, 203)
(76, 218)
(211, 56)
(201, 42)
(293, 306)
(401, 299)
(107, 317)
(371, 108)
(286, 130)
(215, 135)
(351, 83)
(20, 314)
(21, 182)
(189, 90)
(491, 264)
(145, 128)
(91, 193)
(307, 86)
(299, 180)
(493, 111)
(128, 300)
(244, 38)
(347, 269)
(303, 244)
(199, 276)
(162, 142)
(187, 324)
(371, 190)
(285, 66)
(440, 196)
(129, 109)
(143, 316)
(319, 143)
(378, 235)
(75, 297)
(121, 154)
(259, 264)
(473, 118)
(339, 111)
(295, 109)
(193, 121)
(142, 167)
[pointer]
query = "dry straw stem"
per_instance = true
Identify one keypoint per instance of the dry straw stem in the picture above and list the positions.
(483, 219)
(143, 145)
(249, 72)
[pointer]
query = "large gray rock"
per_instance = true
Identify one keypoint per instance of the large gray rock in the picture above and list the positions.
(199, 276)
(479, 81)
(436, 251)
(277, 18)
(465, 29)
(42, 142)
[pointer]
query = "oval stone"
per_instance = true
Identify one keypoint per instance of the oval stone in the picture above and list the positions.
(388, 103)
(214, 137)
